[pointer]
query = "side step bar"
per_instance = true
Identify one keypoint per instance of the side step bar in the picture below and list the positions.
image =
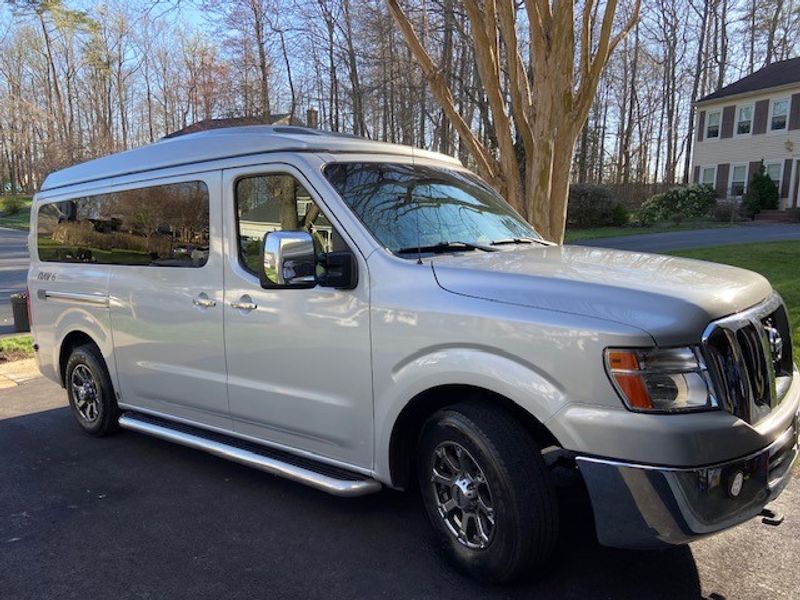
(326, 478)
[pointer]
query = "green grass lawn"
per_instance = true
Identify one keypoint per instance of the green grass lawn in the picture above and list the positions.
(16, 347)
(20, 220)
(577, 235)
(777, 261)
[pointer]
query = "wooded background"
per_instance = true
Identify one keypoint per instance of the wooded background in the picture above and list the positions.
(83, 79)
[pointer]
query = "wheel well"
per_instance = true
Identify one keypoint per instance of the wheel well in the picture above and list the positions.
(408, 427)
(73, 340)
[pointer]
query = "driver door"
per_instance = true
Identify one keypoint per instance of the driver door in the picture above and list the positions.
(299, 372)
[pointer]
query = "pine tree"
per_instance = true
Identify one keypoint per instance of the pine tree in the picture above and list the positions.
(762, 193)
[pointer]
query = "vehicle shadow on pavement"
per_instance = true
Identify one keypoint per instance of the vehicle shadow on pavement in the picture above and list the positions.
(133, 516)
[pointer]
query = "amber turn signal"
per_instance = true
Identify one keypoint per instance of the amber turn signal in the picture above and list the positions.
(660, 379)
(624, 369)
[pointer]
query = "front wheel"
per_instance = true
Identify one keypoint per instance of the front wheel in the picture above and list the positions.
(487, 491)
(90, 392)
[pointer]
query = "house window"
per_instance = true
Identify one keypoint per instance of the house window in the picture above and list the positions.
(738, 180)
(745, 120)
(712, 127)
(780, 112)
(774, 170)
(709, 175)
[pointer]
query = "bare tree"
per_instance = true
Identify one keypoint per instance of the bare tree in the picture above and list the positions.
(549, 100)
(508, 87)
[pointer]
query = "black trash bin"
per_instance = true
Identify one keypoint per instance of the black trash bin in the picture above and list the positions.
(19, 305)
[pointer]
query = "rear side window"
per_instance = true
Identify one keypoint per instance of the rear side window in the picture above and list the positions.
(160, 226)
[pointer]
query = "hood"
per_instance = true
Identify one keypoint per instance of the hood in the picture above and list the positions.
(673, 299)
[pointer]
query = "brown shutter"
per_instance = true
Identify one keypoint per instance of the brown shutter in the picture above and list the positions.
(697, 174)
(701, 123)
(794, 112)
(760, 115)
(722, 179)
(752, 169)
(727, 121)
(786, 180)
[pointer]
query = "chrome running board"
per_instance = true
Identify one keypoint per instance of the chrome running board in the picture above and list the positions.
(326, 478)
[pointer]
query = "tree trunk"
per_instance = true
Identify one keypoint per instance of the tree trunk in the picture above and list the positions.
(698, 69)
(263, 65)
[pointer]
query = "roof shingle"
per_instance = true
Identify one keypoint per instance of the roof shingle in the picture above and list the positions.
(774, 75)
(206, 124)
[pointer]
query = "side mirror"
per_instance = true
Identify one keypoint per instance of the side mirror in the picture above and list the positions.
(339, 270)
(288, 260)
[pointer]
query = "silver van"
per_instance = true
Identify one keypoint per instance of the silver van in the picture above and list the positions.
(353, 314)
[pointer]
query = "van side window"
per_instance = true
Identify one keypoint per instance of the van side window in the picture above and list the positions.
(276, 202)
(161, 226)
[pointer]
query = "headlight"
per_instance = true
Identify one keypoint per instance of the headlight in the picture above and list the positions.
(660, 379)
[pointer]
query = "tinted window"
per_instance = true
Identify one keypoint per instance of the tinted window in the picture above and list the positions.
(276, 202)
(406, 206)
(164, 226)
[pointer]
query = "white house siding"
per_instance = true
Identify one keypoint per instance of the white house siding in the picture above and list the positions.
(749, 149)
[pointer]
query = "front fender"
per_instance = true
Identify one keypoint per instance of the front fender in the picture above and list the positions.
(484, 368)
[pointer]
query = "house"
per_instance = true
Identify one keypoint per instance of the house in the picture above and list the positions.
(206, 124)
(749, 121)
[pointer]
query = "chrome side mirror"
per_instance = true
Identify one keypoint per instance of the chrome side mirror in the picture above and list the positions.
(288, 260)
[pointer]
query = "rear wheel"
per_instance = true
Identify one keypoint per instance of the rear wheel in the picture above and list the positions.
(90, 393)
(487, 492)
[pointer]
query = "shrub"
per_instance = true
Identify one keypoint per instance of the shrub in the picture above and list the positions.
(13, 204)
(590, 206)
(650, 211)
(620, 215)
(761, 194)
(678, 204)
(722, 211)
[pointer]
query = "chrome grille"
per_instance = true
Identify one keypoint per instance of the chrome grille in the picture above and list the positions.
(749, 356)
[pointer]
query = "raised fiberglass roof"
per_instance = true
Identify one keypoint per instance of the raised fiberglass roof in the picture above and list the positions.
(224, 143)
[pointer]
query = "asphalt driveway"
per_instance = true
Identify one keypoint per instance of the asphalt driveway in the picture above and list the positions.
(681, 240)
(134, 517)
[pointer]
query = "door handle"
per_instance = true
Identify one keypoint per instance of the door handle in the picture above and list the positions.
(204, 301)
(244, 303)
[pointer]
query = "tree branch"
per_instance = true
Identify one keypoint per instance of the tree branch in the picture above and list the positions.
(487, 165)
(586, 38)
(484, 32)
(606, 45)
(626, 29)
(518, 78)
(537, 26)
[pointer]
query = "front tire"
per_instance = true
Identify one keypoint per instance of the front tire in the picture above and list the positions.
(487, 492)
(90, 392)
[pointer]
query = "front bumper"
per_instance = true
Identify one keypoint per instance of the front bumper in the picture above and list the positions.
(642, 506)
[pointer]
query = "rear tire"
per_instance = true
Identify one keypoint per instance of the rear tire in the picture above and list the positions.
(90, 392)
(487, 492)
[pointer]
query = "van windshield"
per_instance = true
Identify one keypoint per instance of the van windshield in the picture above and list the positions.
(408, 207)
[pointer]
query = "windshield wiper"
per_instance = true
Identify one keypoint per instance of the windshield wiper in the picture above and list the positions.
(516, 240)
(444, 247)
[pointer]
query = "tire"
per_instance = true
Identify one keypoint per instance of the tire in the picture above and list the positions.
(502, 475)
(90, 393)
